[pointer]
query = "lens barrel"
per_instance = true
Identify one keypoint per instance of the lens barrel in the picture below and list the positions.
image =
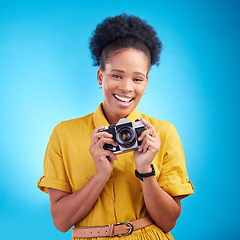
(126, 136)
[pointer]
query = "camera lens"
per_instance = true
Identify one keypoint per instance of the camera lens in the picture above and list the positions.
(126, 137)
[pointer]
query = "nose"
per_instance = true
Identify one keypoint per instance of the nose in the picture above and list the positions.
(126, 85)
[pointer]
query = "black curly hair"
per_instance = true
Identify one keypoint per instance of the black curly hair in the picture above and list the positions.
(124, 31)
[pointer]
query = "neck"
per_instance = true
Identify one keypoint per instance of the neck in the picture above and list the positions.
(111, 118)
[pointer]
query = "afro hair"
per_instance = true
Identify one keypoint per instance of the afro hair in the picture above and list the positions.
(124, 31)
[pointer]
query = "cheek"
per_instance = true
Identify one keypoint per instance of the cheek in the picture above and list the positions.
(109, 85)
(141, 91)
(107, 90)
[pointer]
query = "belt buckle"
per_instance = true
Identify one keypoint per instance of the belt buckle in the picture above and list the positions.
(130, 226)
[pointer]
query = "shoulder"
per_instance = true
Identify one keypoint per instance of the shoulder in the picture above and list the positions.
(78, 121)
(82, 123)
(164, 129)
(158, 124)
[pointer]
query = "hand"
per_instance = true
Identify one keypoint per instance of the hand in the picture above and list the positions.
(103, 159)
(149, 148)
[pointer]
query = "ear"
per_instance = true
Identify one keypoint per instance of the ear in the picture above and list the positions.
(147, 79)
(146, 84)
(100, 76)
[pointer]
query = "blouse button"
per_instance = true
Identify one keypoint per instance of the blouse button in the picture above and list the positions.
(111, 201)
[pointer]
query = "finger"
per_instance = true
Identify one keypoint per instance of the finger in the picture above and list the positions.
(107, 154)
(150, 127)
(145, 142)
(149, 145)
(93, 133)
(146, 123)
(102, 135)
(110, 155)
(98, 128)
(96, 136)
(145, 133)
(103, 141)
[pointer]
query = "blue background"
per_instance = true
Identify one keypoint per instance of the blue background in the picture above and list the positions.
(46, 76)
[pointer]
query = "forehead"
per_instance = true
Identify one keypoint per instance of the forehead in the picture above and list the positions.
(128, 59)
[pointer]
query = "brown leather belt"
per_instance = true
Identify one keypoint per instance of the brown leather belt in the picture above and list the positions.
(119, 229)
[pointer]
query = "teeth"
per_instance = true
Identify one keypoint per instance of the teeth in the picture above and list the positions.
(124, 99)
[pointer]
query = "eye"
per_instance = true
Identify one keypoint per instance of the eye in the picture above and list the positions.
(137, 80)
(116, 76)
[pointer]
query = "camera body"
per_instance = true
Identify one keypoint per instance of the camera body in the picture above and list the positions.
(126, 134)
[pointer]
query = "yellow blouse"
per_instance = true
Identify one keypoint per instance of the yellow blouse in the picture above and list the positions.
(68, 166)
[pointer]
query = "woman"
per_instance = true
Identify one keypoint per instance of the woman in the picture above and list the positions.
(133, 195)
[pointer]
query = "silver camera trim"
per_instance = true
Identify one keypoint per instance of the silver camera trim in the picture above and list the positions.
(135, 125)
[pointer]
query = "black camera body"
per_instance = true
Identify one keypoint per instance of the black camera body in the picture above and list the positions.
(126, 134)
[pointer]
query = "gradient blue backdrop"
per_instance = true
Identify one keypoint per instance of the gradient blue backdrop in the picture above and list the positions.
(46, 76)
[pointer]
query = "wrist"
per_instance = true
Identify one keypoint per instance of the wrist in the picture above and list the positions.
(102, 176)
(141, 176)
(144, 169)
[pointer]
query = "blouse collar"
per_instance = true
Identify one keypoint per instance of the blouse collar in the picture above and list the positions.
(100, 120)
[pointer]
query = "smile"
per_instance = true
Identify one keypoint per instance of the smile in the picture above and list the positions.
(123, 99)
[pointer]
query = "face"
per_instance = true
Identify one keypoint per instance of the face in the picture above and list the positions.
(123, 81)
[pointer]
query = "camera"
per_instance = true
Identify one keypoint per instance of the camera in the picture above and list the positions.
(126, 134)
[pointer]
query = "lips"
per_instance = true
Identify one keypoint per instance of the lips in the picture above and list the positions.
(123, 102)
(123, 99)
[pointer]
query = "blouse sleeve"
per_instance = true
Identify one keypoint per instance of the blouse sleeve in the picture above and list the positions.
(54, 173)
(173, 176)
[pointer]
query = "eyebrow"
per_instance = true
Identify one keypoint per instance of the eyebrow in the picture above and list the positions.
(121, 71)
